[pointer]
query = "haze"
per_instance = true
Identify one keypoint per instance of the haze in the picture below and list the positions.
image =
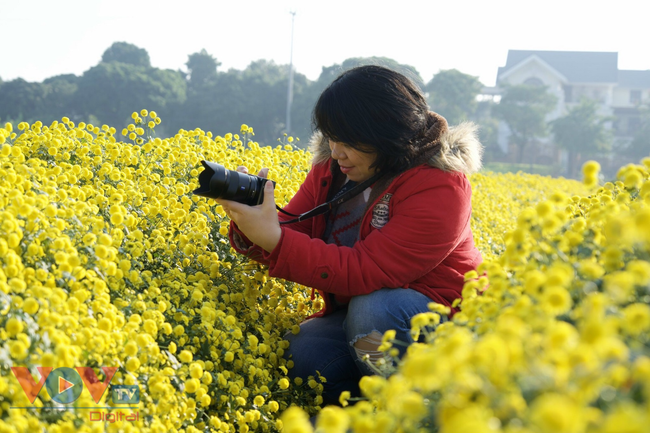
(45, 38)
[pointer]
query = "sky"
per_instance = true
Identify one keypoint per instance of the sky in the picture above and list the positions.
(44, 38)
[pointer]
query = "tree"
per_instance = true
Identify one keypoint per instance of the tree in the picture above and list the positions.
(330, 73)
(203, 69)
(112, 91)
(123, 52)
(582, 131)
(524, 108)
(640, 145)
(452, 94)
(264, 88)
(256, 96)
(199, 109)
(203, 99)
(60, 95)
(488, 129)
(21, 100)
(218, 106)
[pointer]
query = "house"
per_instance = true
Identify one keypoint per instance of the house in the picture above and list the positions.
(572, 75)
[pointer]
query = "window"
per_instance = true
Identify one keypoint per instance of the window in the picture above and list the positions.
(635, 97)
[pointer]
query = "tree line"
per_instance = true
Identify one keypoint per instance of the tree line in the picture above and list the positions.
(203, 97)
(206, 97)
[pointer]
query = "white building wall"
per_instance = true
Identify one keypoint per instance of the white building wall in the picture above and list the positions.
(551, 80)
(608, 95)
(621, 97)
(535, 69)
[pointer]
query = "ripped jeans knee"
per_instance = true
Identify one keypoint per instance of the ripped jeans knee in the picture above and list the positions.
(368, 346)
(369, 316)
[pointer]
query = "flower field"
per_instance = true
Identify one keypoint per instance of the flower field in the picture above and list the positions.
(108, 260)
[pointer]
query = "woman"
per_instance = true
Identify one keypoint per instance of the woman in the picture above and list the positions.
(382, 256)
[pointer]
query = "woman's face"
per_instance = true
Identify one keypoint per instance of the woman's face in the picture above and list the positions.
(353, 163)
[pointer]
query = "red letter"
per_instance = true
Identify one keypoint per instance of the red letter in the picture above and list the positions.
(96, 413)
(93, 384)
(27, 382)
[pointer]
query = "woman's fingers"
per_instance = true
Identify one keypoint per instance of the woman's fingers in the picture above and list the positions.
(234, 206)
(259, 223)
(263, 172)
(227, 206)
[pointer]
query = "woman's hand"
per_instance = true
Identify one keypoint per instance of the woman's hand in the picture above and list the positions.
(259, 223)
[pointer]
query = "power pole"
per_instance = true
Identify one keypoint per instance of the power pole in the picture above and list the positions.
(290, 89)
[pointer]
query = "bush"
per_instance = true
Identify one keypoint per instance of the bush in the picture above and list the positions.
(107, 259)
(552, 335)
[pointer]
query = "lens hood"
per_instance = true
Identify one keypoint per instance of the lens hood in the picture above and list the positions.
(218, 182)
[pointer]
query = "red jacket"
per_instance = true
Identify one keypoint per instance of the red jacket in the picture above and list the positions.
(414, 234)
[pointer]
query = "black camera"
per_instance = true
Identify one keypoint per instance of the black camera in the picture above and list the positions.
(218, 182)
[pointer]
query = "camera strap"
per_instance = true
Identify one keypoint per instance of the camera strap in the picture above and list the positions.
(336, 201)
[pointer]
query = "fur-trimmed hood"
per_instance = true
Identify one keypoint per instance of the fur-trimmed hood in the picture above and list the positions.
(460, 149)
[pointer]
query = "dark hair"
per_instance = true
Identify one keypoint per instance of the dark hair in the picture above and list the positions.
(375, 109)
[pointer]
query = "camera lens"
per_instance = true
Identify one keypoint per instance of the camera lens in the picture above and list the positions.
(218, 182)
(237, 187)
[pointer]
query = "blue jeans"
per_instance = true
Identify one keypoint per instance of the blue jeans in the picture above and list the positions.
(326, 344)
